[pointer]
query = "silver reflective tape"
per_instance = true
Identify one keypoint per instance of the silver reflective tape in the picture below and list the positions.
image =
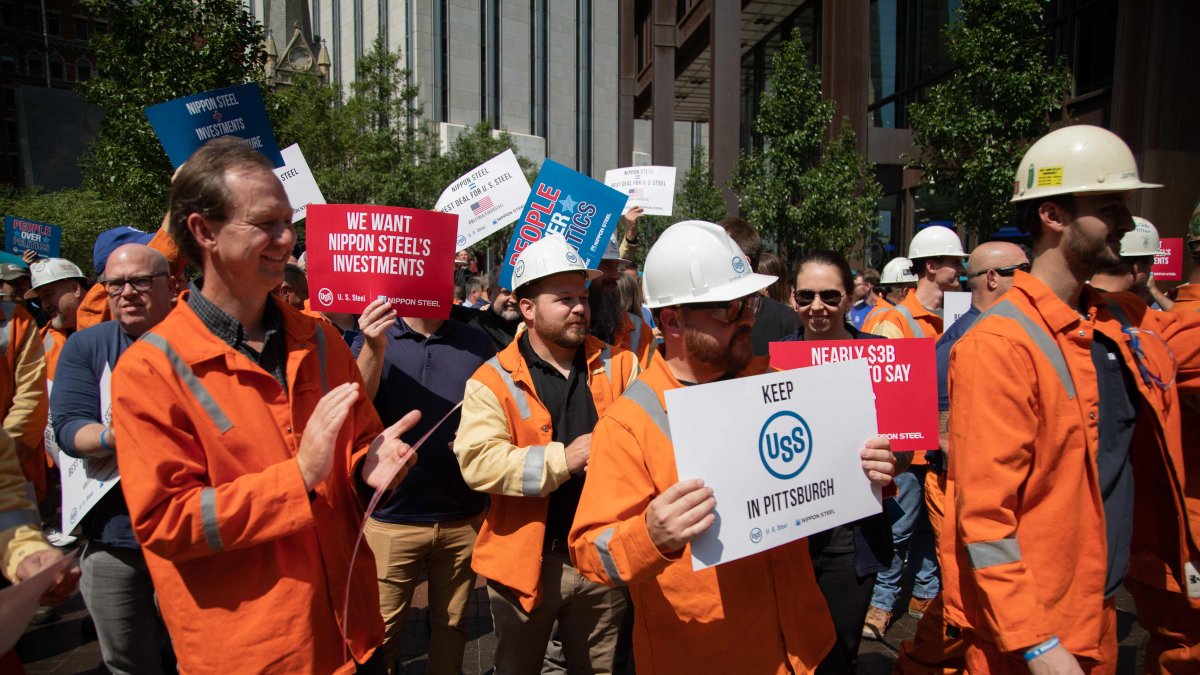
(17, 517)
(990, 553)
(1044, 342)
(606, 359)
(531, 475)
(517, 394)
(208, 517)
(913, 326)
(606, 559)
(6, 332)
(640, 393)
(47, 342)
(635, 339)
(321, 359)
(189, 380)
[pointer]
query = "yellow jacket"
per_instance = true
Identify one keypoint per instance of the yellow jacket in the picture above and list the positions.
(23, 399)
(20, 531)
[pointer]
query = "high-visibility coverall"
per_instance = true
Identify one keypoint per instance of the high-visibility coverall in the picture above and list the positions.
(907, 319)
(23, 399)
(52, 344)
(250, 566)
(760, 614)
(1187, 298)
(505, 447)
(94, 309)
(1027, 555)
(635, 335)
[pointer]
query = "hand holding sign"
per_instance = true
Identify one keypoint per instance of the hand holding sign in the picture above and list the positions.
(681, 512)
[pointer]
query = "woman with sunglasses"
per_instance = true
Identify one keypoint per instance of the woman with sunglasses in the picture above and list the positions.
(846, 558)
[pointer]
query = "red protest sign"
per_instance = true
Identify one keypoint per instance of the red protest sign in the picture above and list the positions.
(903, 375)
(1168, 264)
(357, 253)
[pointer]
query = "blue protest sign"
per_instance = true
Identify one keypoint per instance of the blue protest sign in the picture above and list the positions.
(22, 235)
(185, 124)
(581, 209)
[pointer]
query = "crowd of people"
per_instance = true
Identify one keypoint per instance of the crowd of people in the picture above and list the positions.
(251, 431)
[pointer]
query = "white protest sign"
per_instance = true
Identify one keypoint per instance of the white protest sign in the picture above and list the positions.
(298, 182)
(954, 305)
(486, 198)
(650, 187)
(86, 481)
(780, 452)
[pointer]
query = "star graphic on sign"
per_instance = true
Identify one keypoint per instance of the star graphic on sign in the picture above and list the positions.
(568, 204)
(217, 116)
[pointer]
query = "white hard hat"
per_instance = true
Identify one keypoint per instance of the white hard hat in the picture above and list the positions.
(611, 252)
(49, 270)
(1074, 160)
(696, 261)
(1141, 240)
(302, 261)
(935, 241)
(897, 271)
(549, 255)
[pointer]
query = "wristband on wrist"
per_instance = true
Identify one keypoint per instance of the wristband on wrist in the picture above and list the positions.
(104, 445)
(1034, 652)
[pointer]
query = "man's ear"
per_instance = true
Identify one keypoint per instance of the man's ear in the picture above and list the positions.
(1054, 217)
(203, 231)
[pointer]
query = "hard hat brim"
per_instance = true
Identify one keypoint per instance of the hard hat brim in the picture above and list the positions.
(739, 288)
(589, 275)
(1126, 186)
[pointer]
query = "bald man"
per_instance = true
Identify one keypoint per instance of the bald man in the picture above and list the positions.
(990, 271)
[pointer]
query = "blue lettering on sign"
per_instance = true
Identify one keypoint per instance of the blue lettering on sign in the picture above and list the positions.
(785, 444)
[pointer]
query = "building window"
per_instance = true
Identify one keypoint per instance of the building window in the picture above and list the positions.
(83, 70)
(53, 26)
(539, 11)
(583, 86)
(58, 70)
(489, 61)
(101, 27)
(1085, 34)
(909, 53)
(81, 29)
(8, 62)
(441, 61)
(8, 16)
(33, 65)
(757, 68)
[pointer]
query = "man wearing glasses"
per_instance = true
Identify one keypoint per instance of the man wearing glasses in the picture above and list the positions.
(760, 614)
(116, 585)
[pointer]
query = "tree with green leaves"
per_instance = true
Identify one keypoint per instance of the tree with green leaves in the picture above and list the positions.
(974, 127)
(82, 214)
(697, 198)
(800, 191)
(155, 51)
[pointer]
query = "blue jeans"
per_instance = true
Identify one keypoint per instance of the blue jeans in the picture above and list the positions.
(914, 543)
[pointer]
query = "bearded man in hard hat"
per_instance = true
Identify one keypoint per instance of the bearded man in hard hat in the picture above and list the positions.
(610, 321)
(1132, 272)
(1059, 395)
(525, 438)
(760, 614)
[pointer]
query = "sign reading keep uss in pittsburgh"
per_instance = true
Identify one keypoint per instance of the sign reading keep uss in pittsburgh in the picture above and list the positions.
(780, 452)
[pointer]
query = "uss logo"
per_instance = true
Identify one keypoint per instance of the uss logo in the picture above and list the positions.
(785, 444)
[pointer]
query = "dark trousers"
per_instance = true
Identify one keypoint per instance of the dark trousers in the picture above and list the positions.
(848, 596)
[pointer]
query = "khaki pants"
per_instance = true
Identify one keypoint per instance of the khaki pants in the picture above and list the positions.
(588, 614)
(444, 550)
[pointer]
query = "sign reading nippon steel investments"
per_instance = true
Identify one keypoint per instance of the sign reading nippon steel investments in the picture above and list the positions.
(780, 452)
(184, 124)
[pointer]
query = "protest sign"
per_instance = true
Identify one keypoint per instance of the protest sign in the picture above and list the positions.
(22, 235)
(184, 124)
(581, 209)
(903, 374)
(954, 305)
(1168, 264)
(486, 198)
(357, 253)
(650, 187)
(780, 452)
(86, 481)
(298, 182)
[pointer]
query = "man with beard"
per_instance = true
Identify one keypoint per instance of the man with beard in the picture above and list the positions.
(1059, 395)
(499, 320)
(525, 436)
(610, 322)
(760, 614)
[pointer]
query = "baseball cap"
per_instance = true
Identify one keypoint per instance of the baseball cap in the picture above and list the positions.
(49, 270)
(11, 271)
(111, 240)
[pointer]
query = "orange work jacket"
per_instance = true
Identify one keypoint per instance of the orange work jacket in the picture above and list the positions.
(880, 307)
(23, 401)
(94, 309)
(909, 317)
(505, 447)
(1024, 552)
(250, 568)
(1187, 298)
(52, 344)
(760, 614)
(635, 335)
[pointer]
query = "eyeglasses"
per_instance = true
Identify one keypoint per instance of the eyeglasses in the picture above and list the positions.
(731, 310)
(1005, 271)
(805, 297)
(140, 284)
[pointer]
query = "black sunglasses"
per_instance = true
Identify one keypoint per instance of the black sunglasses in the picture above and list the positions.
(805, 297)
(731, 310)
(1005, 271)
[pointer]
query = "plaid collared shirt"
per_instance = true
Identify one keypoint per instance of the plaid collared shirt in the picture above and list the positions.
(273, 357)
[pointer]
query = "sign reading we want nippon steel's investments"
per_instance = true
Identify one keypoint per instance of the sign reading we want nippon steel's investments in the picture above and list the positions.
(357, 253)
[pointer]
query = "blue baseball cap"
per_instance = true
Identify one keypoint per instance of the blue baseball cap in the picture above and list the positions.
(111, 240)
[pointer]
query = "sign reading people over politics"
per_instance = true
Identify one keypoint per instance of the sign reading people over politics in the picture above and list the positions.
(1168, 264)
(22, 235)
(650, 187)
(357, 253)
(298, 182)
(780, 452)
(185, 124)
(566, 202)
(486, 198)
(903, 374)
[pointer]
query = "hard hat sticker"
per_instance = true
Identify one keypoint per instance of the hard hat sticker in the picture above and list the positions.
(1050, 176)
(739, 265)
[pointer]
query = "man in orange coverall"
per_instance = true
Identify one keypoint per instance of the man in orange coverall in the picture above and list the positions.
(1059, 396)
(760, 614)
(242, 430)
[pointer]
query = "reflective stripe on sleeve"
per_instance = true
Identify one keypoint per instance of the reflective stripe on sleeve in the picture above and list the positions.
(189, 380)
(640, 393)
(208, 517)
(606, 559)
(6, 332)
(1044, 342)
(606, 359)
(48, 342)
(531, 475)
(913, 326)
(635, 338)
(18, 517)
(986, 554)
(517, 394)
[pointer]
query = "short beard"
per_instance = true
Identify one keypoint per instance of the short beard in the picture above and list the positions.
(1083, 257)
(560, 334)
(506, 314)
(731, 358)
(607, 315)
